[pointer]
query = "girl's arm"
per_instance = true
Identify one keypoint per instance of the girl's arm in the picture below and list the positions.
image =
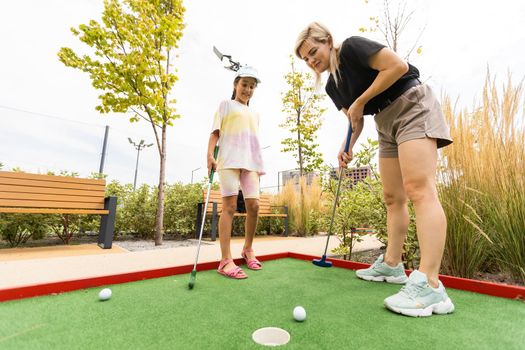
(211, 162)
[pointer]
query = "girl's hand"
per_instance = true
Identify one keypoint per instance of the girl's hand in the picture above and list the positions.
(344, 158)
(212, 164)
(355, 113)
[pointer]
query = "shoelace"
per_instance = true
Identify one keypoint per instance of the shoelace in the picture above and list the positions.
(375, 265)
(412, 289)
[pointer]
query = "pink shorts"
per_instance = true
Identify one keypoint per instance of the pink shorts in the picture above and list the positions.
(233, 179)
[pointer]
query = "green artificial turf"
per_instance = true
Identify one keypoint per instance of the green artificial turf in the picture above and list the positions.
(343, 312)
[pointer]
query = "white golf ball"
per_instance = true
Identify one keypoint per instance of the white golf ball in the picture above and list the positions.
(299, 313)
(104, 294)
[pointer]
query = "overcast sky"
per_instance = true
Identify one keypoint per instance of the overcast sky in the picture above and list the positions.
(47, 111)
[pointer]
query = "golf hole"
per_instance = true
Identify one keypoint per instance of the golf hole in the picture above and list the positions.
(271, 336)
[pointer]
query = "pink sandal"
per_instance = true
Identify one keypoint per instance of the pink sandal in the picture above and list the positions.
(235, 273)
(253, 264)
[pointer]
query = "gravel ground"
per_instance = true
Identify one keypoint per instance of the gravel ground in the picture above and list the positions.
(134, 245)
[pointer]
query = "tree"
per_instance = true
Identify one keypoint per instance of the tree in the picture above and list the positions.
(392, 24)
(132, 66)
(303, 119)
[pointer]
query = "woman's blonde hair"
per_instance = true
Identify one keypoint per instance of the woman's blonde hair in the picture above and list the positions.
(319, 33)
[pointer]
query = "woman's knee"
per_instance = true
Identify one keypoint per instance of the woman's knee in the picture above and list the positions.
(394, 198)
(420, 190)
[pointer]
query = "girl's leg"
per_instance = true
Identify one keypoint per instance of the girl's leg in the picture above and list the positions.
(418, 162)
(397, 209)
(229, 205)
(250, 189)
(229, 180)
(252, 212)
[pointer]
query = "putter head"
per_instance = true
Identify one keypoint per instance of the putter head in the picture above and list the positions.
(192, 279)
(322, 262)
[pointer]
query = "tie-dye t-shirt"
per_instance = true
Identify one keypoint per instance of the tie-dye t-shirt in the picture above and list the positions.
(239, 146)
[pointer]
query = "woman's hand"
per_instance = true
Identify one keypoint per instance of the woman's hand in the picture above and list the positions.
(355, 113)
(344, 158)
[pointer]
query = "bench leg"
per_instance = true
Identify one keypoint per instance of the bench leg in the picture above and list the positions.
(286, 222)
(214, 220)
(107, 223)
(198, 221)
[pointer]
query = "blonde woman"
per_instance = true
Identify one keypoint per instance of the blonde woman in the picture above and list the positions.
(367, 78)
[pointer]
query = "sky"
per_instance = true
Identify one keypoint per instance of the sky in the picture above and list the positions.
(48, 120)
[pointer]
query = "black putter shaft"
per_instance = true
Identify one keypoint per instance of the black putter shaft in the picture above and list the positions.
(322, 262)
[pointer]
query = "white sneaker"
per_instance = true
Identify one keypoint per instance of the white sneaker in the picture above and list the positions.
(418, 299)
(380, 271)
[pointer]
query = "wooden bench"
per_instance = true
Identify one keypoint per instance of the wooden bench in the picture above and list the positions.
(47, 194)
(215, 210)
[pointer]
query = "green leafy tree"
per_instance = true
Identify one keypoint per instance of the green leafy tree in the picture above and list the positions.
(303, 119)
(132, 66)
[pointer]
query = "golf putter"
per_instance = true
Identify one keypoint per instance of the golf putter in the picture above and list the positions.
(322, 262)
(193, 275)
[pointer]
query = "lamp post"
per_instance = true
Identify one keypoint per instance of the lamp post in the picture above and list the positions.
(192, 173)
(139, 147)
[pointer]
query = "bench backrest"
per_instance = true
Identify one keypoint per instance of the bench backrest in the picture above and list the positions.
(215, 196)
(21, 190)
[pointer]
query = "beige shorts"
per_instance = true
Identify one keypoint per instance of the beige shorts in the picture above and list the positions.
(416, 114)
(233, 179)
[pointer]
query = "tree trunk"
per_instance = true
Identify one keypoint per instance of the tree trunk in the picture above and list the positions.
(159, 220)
(299, 148)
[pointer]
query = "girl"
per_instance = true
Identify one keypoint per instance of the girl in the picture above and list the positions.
(365, 78)
(239, 163)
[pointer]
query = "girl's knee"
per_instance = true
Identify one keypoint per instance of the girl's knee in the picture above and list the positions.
(252, 206)
(229, 207)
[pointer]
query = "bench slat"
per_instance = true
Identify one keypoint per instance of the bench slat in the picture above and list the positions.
(268, 215)
(50, 184)
(49, 197)
(50, 204)
(47, 190)
(265, 205)
(52, 178)
(53, 211)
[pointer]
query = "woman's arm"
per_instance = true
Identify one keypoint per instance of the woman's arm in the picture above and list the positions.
(345, 158)
(390, 67)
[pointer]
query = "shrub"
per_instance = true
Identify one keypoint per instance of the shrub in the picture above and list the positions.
(16, 229)
(483, 184)
(304, 206)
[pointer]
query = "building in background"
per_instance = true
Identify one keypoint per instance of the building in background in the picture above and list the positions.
(354, 174)
(293, 176)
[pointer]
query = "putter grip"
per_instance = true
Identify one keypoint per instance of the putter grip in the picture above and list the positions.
(348, 137)
(215, 153)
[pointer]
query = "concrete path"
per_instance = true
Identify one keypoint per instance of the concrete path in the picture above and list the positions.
(33, 266)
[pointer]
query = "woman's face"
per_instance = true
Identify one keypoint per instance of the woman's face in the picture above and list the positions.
(316, 54)
(244, 89)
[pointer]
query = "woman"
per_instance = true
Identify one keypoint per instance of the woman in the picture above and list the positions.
(366, 78)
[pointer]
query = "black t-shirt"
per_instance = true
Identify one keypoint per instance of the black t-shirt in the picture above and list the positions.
(355, 75)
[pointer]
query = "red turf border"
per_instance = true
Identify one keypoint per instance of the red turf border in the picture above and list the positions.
(494, 289)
